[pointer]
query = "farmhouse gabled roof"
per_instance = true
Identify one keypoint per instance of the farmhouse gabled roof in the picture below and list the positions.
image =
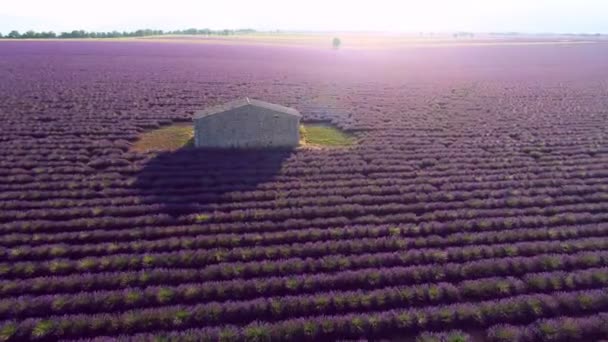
(242, 103)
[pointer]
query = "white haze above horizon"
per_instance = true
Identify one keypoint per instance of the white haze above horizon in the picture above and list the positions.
(526, 16)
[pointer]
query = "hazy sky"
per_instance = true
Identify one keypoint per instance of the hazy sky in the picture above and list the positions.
(574, 16)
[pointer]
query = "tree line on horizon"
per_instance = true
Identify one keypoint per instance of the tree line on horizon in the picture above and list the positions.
(117, 34)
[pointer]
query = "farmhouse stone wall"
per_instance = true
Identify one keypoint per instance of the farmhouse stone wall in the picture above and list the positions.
(247, 127)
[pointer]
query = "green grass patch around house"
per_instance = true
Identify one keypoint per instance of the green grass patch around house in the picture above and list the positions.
(180, 135)
(168, 138)
(323, 135)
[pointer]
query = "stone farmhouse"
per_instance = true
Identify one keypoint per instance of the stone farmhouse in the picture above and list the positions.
(247, 123)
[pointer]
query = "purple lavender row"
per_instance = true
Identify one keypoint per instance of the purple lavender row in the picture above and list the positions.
(374, 276)
(560, 329)
(177, 237)
(389, 157)
(128, 164)
(425, 227)
(385, 161)
(322, 257)
(461, 180)
(180, 322)
(111, 189)
(409, 203)
(452, 160)
(458, 180)
(261, 199)
(340, 243)
(449, 336)
(434, 196)
(325, 216)
(378, 211)
(320, 248)
(286, 302)
(457, 177)
(417, 203)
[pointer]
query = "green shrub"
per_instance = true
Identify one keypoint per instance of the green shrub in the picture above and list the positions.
(336, 42)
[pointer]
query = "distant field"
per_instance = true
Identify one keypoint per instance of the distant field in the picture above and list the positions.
(352, 40)
(373, 40)
(473, 206)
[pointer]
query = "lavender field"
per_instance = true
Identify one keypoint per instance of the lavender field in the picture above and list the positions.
(473, 207)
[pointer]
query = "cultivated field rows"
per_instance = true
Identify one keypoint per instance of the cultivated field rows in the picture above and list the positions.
(475, 197)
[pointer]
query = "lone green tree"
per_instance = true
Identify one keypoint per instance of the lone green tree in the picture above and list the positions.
(336, 42)
(14, 34)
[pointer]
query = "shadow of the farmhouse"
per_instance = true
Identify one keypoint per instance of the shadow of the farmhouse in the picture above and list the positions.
(192, 180)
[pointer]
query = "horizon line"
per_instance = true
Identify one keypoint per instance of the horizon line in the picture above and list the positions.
(318, 31)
